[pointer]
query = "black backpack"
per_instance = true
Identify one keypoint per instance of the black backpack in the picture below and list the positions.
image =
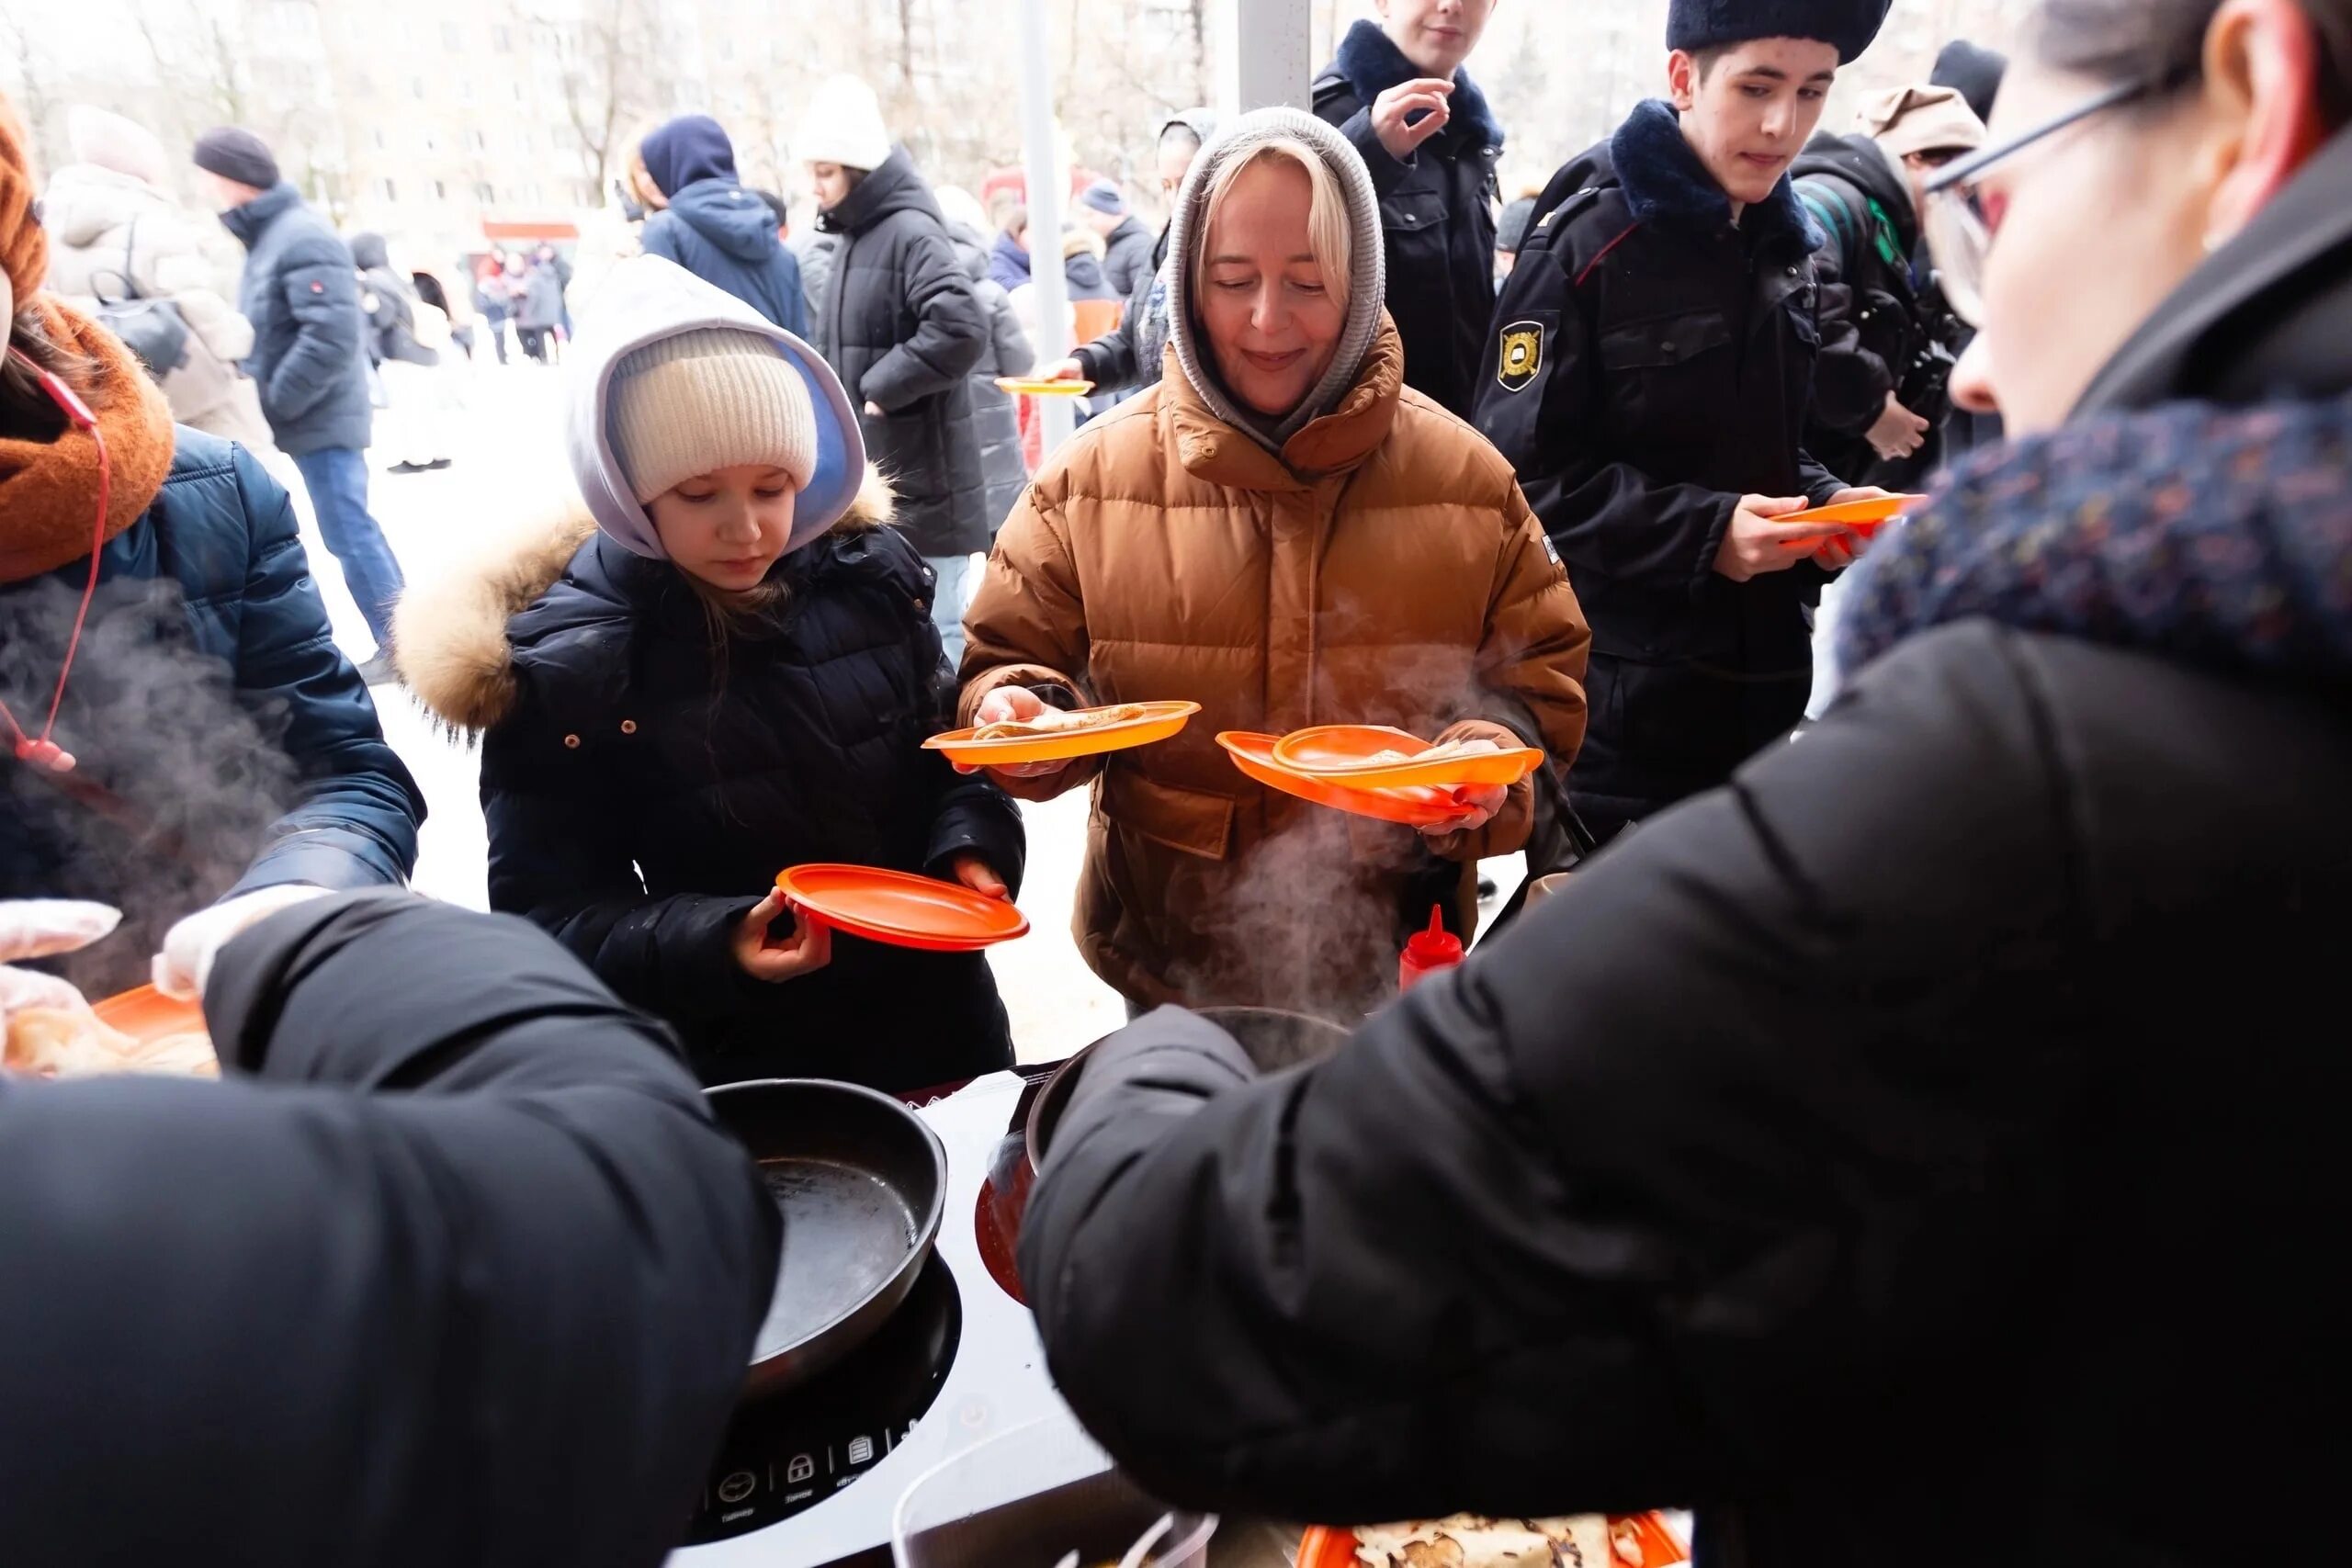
(152, 329)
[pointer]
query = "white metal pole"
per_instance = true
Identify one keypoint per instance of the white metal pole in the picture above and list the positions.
(1046, 196)
(1264, 58)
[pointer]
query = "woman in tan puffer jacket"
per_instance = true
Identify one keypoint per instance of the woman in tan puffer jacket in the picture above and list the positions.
(1286, 533)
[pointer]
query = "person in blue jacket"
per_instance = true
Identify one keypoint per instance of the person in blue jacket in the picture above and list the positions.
(300, 290)
(714, 228)
(725, 668)
(176, 724)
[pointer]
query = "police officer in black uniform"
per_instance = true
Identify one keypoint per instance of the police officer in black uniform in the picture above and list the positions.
(1648, 372)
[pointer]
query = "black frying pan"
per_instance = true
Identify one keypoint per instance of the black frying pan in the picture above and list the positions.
(862, 1183)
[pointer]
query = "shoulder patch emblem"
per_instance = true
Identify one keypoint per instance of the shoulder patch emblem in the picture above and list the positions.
(1521, 356)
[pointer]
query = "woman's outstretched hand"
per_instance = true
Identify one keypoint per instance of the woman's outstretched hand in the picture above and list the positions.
(1013, 704)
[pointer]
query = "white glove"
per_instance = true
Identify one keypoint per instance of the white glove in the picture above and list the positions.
(184, 966)
(42, 928)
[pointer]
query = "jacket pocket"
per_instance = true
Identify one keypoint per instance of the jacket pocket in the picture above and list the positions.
(1664, 342)
(1413, 220)
(1193, 821)
(1669, 368)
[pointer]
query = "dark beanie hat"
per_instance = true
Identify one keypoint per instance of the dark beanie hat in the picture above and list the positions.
(1975, 70)
(235, 153)
(1850, 25)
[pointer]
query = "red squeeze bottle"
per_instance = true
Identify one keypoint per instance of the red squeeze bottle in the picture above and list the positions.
(1428, 952)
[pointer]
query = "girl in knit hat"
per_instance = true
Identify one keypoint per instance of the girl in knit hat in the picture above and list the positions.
(177, 729)
(725, 666)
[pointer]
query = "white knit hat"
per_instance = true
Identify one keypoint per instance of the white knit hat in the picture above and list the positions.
(714, 397)
(844, 125)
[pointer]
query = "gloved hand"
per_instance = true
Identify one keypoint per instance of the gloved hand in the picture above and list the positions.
(184, 965)
(42, 928)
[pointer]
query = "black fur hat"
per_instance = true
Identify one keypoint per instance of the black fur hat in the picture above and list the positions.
(1694, 25)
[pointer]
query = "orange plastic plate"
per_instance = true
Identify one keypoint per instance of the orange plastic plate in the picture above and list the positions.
(1858, 514)
(1344, 753)
(1025, 385)
(147, 1015)
(900, 909)
(1158, 721)
(1419, 808)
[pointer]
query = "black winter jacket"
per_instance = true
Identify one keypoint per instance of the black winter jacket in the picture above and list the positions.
(1874, 319)
(1840, 1156)
(640, 800)
(300, 290)
(901, 327)
(453, 1267)
(1650, 364)
(1845, 1148)
(1437, 214)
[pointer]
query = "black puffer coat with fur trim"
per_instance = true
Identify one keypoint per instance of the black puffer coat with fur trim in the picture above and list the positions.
(644, 781)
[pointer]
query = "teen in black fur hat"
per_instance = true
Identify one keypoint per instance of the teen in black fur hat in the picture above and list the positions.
(1695, 27)
(1648, 372)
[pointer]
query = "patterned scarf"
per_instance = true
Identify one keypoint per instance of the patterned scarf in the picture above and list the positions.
(2220, 537)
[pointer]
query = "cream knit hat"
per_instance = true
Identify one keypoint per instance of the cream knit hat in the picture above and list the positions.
(714, 397)
(844, 125)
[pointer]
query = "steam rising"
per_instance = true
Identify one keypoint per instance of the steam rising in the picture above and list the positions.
(195, 777)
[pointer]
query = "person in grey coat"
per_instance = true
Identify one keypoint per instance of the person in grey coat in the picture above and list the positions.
(994, 418)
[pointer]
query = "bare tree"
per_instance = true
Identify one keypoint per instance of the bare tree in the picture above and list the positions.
(33, 96)
(614, 71)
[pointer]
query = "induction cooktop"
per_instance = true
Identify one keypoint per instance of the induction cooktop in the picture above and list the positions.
(810, 1478)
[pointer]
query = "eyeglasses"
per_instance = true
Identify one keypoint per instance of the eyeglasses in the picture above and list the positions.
(1959, 228)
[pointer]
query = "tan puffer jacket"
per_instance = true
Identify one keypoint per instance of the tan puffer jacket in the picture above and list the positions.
(1165, 555)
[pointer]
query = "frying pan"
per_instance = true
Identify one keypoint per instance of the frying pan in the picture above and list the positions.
(862, 1183)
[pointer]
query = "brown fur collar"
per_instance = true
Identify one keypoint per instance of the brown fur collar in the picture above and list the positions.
(449, 635)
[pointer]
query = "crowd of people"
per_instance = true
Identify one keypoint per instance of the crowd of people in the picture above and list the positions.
(1902, 1131)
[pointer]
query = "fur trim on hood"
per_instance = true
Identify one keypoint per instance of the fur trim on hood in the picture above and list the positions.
(449, 639)
(1665, 181)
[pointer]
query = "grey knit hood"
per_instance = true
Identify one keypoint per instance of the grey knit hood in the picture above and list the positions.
(1367, 286)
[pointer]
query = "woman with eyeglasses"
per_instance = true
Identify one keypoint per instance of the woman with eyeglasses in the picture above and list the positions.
(1923, 1150)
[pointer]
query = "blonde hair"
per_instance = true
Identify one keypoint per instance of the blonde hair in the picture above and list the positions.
(1329, 229)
